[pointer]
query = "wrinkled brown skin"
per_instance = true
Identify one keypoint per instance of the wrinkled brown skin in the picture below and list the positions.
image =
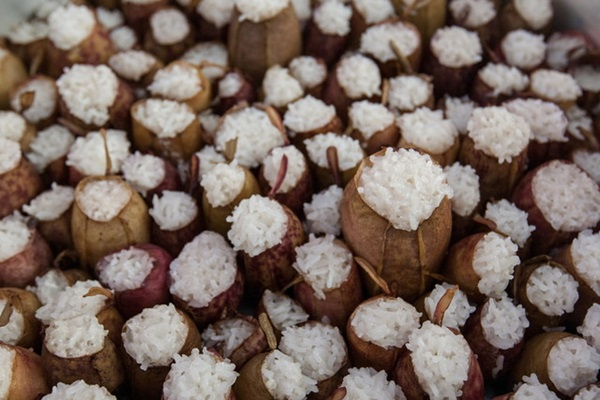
(321, 45)
(254, 47)
(388, 136)
(12, 73)
(444, 159)
(329, 385)
(250, 385)
(538, 153)
(18, 186)
(56, 171)
(205, 30)
(427, 19)
(293, 198)
(36, 78)
(171, 181)
(103, 368)
(458, 266)
(32, 261)
(173, 241)
(462, 226)
(28, 377)
(335, 126)
(57, 232)
(245, 94)
(511, 20)
(454, 82)
(27, 304)
(137, 15)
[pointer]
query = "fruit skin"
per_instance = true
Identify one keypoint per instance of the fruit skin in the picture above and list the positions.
(12, 72)
(18, 186)
(27, 304)
(250, 385)
(29, 379)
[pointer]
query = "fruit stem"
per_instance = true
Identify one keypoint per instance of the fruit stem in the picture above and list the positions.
(26, 99)
(334, 165)
(6, 314)
(368, 268)
(443, 305)
(283, 168)
(267, 327)
(403, 63)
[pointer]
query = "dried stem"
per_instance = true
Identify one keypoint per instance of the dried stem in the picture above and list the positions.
(6, 314)
(385, 92)
(403, 63)
(267, 327)
(368, 268)
(26, 99)
(283, 168)
(71, 126)
(106, 151)
(334, 165)
(193, 181)
(99, 291)
(443, 305)
(293, 283)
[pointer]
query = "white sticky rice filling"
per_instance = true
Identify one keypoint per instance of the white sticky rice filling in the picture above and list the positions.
(579, 121)
(223, 183)
(45, 96)
(27, 32)
(587, 78)
(590, 327)
(229, 334)
(88, 92)
(260, 11)
(547, 121)
(70, 25)
(457, 312)
(209, 120)
(282, 310)
(322, 213)
(378, 40)
(126, 269)
(45, 8)
(396, 184)
(173, 210)
(258, 224)
(319, 348)
(369, 118)
(283, 377)
(280, 87)
(92, 199)
(79, 390)
(49, 285)
(132, 64)
(374, 11)
(230, 85)
(14, 236)
(308, 71)
(199, 375)
(428, 130)
(308, 114)
(590, 392)
(510, 220)
(564, 47)
(464, 181)
(555, 85)
(567, 197)
(523, 49)
(537, 13)
(349, 151)
(49, 145)
(209, 158)
(589, 161)
(212, 52)
(13, 331)
(552, 290)
(176, 82)
(532, 389)
(154, 336)
(386, 322)
(88, 153)
(76, 337)
(7, 359)
(12, 125)
(456, 47)
(10, 155)
(369, 384)
(140, 1)
(241, 126)
(110, 19)
(359, 76)
(51, 204)
(333, 18)
(296, 167)
(303, 9)
(143, 172)
(459, 110)
(494, 261)
(585, 251)
(436, 350)
(498, 133)
(165, 118)
(216, 12)
(169, 26)
(572, 364)
(217, 266)
(503, 79)
(503, 322)
(123, 38)
(408, 92)
(472, 13)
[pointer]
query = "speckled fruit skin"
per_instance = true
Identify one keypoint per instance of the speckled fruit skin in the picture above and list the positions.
(321, 45)
(18, 186)
(28, 376)
(250, 385)
(26, 303)
(174, 241)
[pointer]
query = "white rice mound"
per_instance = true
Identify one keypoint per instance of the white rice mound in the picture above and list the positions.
(547, 121)
(579, 120)
(585, 251)
(587, 78)
(242, 126)
(210, 122)
(494, 261)
(436, 350)
(428, 130)
(408, 92)
(13, 331)
(369, 118)
(457, 312)
(173, 210)
(124, 38)
(552, 290)
(12, 125)
(280, 87)
(296, 167)
(308, 71)
(70, 25)
(217, 12)
(369, 384)
(143, 172)
(323, 263)
(377, 41)
(591, 392)
(590, 327)
(386, 322)
(92, 199)
(223, 183)
(464, 181)
(199, 375)
(392, 185)
(283, 311)
(303, 9)
(88, 92)
(7, 359)
(532, 389)
(359, 76)
(589, 161)
(154, 336)
(478, 12)
(88, 153)
(78, 390)
(307, 114)
(213, 52)
(374, 11)
(231, 333)
(537, 13)
(72, 302)
(567, 197)
(510, 220)
(51, 204)
(503, 322)
(45, 97)
(177, 82)
(319, 348)
(498, 133)
(10, 155)
(230, 84)
(126, 269)
(503, 79)
(283, 377)
(459, 110)
(572, 364)
(333, 18)
(217, 265)
(257, 224)
(49, 285)
(523, 49)
(260, 11)
(26, 32)
(79, 336)
(555, 85)
(110, 19)
(323, 212)
(132, 64)
(456, 47)
(169, 26)
(165, 118)
(14, 236)
(209, 158)
(562, 48)
(349, 151)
